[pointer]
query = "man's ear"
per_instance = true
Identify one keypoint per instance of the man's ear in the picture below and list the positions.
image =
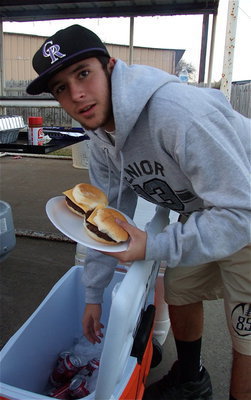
(111, 64)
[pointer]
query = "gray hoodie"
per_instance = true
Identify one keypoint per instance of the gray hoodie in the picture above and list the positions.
(183, 148)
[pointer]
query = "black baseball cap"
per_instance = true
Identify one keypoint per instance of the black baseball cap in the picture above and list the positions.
(61, 50)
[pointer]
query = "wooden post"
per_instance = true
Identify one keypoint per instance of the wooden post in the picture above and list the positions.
(227, 72)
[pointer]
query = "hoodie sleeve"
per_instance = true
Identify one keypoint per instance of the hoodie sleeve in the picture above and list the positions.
(215, 160)
(99, 268)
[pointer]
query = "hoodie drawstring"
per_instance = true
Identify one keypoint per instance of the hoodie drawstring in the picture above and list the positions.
(109, 171)
(121, 176)
(121, 179)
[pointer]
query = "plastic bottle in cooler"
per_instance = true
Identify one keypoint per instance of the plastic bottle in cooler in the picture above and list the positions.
(87, 351)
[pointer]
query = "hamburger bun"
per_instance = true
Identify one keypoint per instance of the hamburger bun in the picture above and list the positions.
(83, 198)
(101, 226)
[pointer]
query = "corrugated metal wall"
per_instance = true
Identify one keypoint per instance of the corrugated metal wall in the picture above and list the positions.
(159, 58)
(19, 49)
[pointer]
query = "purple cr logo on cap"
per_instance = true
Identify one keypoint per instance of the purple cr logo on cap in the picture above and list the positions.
(52, 52)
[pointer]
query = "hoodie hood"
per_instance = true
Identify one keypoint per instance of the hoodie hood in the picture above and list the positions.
(132, 87)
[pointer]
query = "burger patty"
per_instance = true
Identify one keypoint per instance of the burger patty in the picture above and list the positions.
(94, 229)
(88, 213)
(74, 206)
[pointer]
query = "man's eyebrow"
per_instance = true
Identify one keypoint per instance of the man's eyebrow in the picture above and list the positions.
(78, 67)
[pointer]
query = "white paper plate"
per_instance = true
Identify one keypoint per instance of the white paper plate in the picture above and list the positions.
(71, 225)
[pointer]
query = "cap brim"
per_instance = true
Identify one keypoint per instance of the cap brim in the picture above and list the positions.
(40, 84)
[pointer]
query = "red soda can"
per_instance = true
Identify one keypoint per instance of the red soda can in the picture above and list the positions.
(79, 388)
(61, 393)
(85, 371)
(88, 369)
(93, 365)
(67, 366)
(57, 373)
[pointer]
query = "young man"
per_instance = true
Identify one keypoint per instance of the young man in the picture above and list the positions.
(182, 148)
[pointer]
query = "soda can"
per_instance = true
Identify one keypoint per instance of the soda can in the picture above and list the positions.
(61, 393)
(67, 366)
(62, 356)
(88, 369)
(93, 365)
(79, 387)
(56, 376)
(85, 370)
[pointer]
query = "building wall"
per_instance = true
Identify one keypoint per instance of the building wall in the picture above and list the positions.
(17, 54)
(18, 50)
(159, 58)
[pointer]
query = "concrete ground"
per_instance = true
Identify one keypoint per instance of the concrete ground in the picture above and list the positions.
(36, 263)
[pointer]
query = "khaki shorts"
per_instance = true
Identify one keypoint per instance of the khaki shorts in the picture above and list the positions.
(229, 278)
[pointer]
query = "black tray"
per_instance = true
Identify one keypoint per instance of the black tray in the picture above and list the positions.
(21, 144)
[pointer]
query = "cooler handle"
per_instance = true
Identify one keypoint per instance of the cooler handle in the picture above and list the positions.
(143, 333)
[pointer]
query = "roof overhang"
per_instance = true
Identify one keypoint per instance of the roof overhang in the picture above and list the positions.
(39, 10)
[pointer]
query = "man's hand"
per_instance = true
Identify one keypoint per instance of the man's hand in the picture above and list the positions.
(91, 323)
(137, 244)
